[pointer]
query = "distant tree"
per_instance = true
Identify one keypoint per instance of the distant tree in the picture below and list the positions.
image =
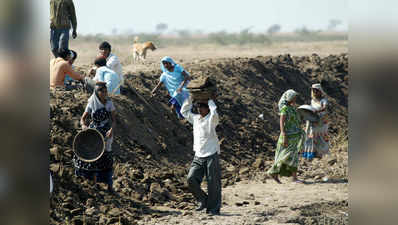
(274, 29)
(161, 27)
(333, 23)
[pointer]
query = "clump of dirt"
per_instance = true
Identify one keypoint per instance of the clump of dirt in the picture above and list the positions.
(153, 149)
(323, 213)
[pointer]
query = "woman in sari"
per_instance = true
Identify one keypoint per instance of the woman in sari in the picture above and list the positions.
(103, 115)
(290, 139)
(317, 140)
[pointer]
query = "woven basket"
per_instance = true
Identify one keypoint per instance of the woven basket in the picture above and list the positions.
(89, 145)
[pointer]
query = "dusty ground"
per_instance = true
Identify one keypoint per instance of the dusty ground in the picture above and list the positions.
(255, 202)
(153, 149)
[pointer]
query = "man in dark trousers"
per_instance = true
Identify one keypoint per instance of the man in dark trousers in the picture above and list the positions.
(62, 15)
(207, 150)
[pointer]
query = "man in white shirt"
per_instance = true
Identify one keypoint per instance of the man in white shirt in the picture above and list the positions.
(112, 61)
(206, 160)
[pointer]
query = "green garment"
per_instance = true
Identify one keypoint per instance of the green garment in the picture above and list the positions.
(287, 158)
(62, 14)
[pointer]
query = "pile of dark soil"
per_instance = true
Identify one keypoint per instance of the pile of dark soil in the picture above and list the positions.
(153, 149)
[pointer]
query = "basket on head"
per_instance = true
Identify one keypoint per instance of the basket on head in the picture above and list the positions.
(307, 112)
(89, 145)
(202, 88)
(202, 95)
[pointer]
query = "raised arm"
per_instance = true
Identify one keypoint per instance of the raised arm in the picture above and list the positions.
(186, 110)
(213, 113)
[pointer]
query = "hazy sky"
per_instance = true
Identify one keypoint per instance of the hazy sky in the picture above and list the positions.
(101, 16)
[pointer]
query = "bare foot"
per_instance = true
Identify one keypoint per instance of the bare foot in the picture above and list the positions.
(275, 177)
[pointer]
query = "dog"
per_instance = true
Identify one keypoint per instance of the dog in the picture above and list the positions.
(139, 49)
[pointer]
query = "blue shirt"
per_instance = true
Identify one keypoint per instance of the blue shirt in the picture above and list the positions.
(111, 78)
(172, 81)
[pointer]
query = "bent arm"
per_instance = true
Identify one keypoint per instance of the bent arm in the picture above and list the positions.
(83, 119)
(186, 110)
(73, 74)
(214, 119)
(186, 79)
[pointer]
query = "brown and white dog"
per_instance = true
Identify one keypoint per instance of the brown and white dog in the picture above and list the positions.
(139, 49)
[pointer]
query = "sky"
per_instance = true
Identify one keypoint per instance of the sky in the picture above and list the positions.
(102, 16)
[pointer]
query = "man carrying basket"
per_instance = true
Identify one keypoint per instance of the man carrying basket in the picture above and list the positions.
(207, 149)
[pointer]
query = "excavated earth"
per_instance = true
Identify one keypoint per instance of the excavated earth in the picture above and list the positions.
(153, 149)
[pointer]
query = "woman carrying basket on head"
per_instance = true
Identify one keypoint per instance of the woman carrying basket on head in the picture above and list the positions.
(103, 114)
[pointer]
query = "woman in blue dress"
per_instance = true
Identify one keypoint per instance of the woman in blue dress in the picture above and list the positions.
(175, 78)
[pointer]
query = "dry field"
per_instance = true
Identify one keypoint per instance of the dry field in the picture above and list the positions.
(88, 50)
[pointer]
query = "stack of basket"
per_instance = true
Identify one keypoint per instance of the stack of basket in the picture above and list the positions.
(202, 89)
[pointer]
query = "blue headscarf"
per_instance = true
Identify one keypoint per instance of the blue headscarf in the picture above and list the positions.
(172, 80)
(167, 59)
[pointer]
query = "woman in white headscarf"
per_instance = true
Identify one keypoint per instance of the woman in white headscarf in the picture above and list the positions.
(317, 140)
(290, 139)
(103, 115)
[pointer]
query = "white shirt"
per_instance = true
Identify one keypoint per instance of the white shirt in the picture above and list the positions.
(113, 63)
(319, 105)
(205, 140)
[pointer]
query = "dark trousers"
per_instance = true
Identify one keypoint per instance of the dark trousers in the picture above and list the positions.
(209, 167)
(59, 39)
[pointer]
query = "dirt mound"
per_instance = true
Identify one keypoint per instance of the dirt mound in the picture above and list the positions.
(153, 149)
